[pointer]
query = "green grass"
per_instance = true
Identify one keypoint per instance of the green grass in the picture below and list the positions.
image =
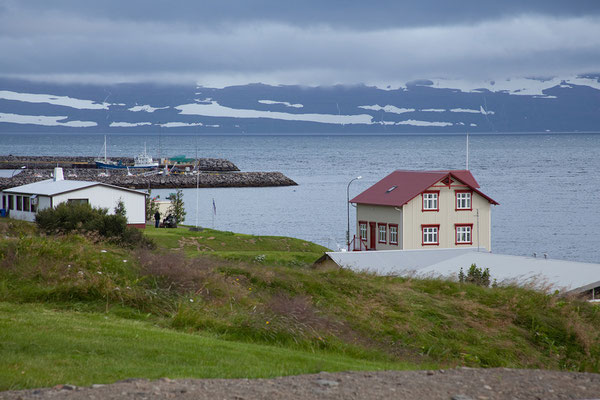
(235, 246)
(42, 347)
(235, 297)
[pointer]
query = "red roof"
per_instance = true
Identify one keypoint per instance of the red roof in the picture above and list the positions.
(410, 184)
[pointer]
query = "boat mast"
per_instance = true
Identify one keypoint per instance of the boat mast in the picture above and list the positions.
(104, 148)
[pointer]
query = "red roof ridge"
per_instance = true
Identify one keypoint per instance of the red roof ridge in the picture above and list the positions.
(408, 184)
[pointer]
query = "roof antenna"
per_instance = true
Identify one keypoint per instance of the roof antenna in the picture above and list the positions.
(467, 151)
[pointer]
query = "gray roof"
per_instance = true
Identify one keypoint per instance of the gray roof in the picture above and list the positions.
(50, 187)
(538, 272)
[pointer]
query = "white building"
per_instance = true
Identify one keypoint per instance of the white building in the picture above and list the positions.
(22, 202)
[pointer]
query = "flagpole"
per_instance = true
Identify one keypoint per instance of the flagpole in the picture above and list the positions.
(197, 184)
(214, 212)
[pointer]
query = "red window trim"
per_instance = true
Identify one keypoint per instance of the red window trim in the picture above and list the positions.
(386, 232)
(456, 242)
(367, 225)
(438, 235)
(456, 200)
(423, 201)
(397, 233)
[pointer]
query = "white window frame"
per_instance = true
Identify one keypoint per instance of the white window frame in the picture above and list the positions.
(382, 233)
(464, 234)
(362, 230)
(393, 234)
(431, 201)
(431, 234)
(463, 201)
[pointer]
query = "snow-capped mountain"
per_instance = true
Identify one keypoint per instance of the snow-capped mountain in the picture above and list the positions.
(516, 105)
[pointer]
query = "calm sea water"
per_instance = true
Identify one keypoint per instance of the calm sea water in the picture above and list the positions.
(548, 186)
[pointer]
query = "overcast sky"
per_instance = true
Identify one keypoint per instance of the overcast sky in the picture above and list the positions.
(223, 42)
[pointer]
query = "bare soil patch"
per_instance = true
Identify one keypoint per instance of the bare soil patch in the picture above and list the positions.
(457, 384)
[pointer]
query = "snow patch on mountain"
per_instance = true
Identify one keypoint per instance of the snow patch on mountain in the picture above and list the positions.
(433, 110)
(472, 111)
(146, 108)
(214, 109)
(517, 86)
(180, 124)
(128, 124)
(414, 122)
(423, 123)
(285, 103)
(65, 101)
(44, 120)
(388, 108)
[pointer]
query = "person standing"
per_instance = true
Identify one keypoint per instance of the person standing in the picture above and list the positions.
(156, 219)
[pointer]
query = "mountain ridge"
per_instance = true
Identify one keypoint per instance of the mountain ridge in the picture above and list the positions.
(422, 106)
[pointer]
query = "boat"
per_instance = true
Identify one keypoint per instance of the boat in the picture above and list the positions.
(106, 163)
(141, 161)
(144, 160)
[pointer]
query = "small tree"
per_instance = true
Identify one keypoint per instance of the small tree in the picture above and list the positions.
(120, 208)
(475, 275)
(176, 208)
(151, 206)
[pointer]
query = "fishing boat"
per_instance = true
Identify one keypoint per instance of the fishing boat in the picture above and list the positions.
(141, 161)
(106, 163)
(144, 160)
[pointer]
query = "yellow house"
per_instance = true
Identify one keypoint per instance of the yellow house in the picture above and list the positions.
(423, 209)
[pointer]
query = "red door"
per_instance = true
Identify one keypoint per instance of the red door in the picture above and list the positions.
(373, 235)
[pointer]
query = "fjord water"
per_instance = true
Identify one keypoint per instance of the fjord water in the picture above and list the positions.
(548, 185)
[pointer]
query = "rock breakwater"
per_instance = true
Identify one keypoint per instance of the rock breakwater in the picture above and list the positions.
(81, 162)
(171, 181)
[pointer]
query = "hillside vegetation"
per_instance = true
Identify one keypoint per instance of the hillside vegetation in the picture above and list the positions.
(257, 308)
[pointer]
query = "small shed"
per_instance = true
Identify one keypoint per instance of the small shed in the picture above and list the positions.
(23, 202)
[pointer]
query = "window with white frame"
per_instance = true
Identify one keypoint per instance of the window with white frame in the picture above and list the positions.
(382, 233)
(463, 234)
(393, 234)
(430, 234)
(430, 201)
(363, 230)
(463, 200)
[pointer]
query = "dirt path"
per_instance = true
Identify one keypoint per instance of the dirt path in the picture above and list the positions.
(457, 384)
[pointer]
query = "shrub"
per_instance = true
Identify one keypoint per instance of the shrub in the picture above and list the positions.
(176, 208)
(475, 275)
(120, 208)
(69, 217)
(151, 206)
(83, 218)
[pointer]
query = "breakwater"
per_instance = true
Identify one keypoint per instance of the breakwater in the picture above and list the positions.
(80, 162)
(158, 181)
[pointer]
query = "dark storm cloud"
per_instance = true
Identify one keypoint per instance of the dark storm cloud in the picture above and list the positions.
(347, 13)
(302, 42)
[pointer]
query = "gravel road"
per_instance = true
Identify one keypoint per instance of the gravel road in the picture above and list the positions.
(456, 384)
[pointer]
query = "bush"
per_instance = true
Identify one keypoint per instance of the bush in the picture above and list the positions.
(69, 217)
(83, 218)
(476, 275)
(177, 207)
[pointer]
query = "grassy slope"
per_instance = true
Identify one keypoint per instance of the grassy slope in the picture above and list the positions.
(335, 315)
(42, 347)
(267, 250)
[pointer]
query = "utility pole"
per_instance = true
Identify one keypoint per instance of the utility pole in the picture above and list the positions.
(348, 207)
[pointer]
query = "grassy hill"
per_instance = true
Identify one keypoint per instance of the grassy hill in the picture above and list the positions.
(218, 304)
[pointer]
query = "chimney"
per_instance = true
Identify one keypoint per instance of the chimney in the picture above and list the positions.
(58, 174)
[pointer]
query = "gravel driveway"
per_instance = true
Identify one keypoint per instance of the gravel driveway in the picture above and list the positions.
(457, 384)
